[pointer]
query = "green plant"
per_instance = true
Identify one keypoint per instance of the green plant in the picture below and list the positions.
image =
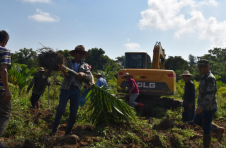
(19, 75)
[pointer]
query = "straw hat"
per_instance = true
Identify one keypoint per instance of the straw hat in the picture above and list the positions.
(41, 69)
(80, 48)
(98, 74)
(186, 73)
(126, 75)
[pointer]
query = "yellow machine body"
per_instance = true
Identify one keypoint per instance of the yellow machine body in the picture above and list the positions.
(156, 81)
(151, 82)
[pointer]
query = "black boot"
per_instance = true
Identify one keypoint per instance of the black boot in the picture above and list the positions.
(206, 140)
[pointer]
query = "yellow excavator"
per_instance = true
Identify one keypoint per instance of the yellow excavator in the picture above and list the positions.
(153, 82)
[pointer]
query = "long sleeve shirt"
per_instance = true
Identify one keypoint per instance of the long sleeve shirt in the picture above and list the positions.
(189, 93)
(39, 83)
(101, 82)
(207, 92)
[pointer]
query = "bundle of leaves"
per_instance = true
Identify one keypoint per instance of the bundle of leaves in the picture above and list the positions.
(50, 59)
(107, 108)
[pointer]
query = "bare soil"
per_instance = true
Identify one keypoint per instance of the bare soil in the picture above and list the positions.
(88, 134)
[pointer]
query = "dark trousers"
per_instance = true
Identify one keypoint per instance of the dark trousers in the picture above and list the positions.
(5, 113)
(34, 99)
(204, 120)
(188, 114)
(74, 95)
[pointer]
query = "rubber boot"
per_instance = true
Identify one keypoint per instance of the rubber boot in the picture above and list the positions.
(140, 105)
(37, 104)
(206, 140)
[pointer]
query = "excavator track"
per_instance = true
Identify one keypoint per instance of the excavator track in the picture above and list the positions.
(151, 102)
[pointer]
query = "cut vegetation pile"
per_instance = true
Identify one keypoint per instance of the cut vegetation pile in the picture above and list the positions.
(50, 59)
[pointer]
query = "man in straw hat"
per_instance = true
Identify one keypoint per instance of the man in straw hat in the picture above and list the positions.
(70, 88)
(207, 104)
(189, 99)
(39, 81)
(134, 91)
(100, 80)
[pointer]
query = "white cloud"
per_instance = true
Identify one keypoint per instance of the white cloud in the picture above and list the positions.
(132, 46)
(168, 15)
(37, 1)
(41, 16)
(143, 51)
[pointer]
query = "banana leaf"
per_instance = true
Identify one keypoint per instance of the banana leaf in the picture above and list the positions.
(104, 106)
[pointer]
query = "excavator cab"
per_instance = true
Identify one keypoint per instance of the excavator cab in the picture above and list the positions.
(137, 60)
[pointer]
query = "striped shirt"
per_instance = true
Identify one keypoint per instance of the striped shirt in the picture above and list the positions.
(5, 58)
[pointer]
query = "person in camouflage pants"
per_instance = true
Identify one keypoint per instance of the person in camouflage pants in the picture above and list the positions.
(207, 103)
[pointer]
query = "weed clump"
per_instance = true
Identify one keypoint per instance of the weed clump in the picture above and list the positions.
(164, 124)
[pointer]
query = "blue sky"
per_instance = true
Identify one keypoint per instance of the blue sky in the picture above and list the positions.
(183, 26)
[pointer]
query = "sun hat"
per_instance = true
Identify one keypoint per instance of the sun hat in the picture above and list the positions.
(126, 75)
(186, 73)
(98, 74)
(80, 48)
(41, 69)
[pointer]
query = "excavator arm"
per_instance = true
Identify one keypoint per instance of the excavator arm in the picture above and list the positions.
(158, 54)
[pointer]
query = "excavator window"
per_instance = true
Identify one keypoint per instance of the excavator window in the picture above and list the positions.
(136, 60)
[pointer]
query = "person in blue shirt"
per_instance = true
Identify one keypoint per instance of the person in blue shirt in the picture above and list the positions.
(100, 80)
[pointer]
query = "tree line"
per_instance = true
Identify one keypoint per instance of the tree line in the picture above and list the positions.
(97, 58)
(100, 61)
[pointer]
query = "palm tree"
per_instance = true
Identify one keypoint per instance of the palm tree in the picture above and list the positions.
(19, 75)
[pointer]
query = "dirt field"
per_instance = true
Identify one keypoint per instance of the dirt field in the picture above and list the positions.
(89, 135)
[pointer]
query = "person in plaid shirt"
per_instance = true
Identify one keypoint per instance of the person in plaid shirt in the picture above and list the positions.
(5, 96)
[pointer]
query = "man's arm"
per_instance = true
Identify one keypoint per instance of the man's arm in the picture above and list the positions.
(86, 74)
(4, 77)
(31, 84)
(192, 94)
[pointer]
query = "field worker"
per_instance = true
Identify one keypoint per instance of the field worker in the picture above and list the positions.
(100, 80)
(134, 91)
(39, 82)
(207, 103)
(189, 99)
(5, 96)
(70, 88)
(87, 89)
